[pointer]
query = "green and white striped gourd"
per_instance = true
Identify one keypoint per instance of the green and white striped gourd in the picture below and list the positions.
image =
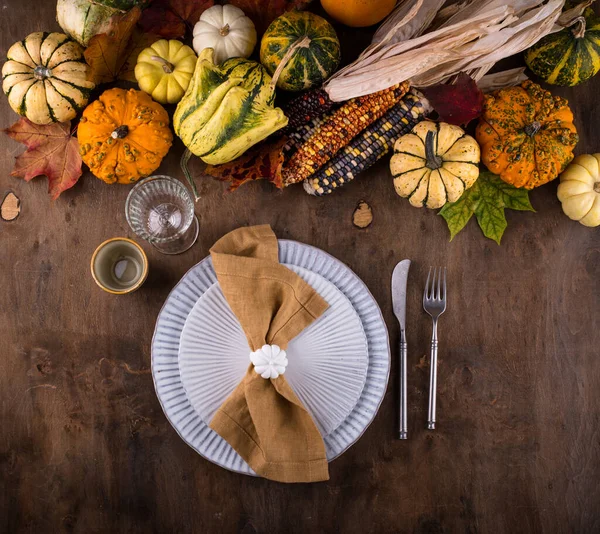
(46, 78)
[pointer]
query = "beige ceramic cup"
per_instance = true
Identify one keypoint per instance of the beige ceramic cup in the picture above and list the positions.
(119, 266)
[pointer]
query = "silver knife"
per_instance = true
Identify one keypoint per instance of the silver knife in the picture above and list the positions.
(399, 279)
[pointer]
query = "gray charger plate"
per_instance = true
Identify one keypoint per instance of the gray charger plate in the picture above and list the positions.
(165, 355)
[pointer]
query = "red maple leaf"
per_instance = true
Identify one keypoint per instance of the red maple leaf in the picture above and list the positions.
(457, 103)
(171, 18)
(51, 151)
(263, 12)
(261, 162)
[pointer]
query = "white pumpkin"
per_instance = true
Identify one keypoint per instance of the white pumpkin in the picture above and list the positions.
(579, 190)
(226, 30)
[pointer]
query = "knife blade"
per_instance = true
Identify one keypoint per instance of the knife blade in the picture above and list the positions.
(399, 282)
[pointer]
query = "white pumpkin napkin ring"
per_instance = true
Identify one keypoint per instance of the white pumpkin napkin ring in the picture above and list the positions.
(269, 361)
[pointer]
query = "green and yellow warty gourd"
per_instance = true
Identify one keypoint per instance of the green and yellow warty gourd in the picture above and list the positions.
(226, 109)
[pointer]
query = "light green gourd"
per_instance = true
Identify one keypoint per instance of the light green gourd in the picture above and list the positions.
(226, 109)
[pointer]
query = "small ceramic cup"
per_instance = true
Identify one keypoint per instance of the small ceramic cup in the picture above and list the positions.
(119, 266)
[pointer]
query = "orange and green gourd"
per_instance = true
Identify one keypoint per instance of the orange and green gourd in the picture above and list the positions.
(526, 135)
(123, 136)
(304, 46)
(570, 56)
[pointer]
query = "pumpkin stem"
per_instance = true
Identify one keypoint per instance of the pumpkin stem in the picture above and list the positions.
(578, 27)
(41, 72)
(533, 128)
(433, 161)
(597, 187)
(167, 67)
(120, 132)
(303, 42)
(188, 176)
(224, 30)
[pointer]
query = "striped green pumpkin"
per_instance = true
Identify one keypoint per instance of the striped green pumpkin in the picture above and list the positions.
(570, 56)
(316, 54)
(46, 78)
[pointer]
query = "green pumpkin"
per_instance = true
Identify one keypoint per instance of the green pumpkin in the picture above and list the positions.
(226, 109)
(570, 56)
(82, 19)
(315, 55)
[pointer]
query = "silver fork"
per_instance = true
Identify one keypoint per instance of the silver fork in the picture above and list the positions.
(434, 303)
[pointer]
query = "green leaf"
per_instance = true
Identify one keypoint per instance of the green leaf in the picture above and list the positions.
(486, 199)
(457, 215)
(512, 197)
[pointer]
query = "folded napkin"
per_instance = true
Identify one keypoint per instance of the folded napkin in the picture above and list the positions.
(262, 419)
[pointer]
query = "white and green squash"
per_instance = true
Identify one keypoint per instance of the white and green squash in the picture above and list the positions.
(46, 78)
(303, 46)
(568, 57)
(226, 109)
(82, 19)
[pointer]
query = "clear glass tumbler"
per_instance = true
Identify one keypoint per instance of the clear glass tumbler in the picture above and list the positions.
(160, 210)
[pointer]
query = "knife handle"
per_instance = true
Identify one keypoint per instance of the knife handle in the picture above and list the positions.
(403, 412)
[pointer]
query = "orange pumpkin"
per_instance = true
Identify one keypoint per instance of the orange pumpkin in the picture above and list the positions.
(123, 136)
(526, 135)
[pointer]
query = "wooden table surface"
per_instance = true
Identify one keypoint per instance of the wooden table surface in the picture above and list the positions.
(85, 446)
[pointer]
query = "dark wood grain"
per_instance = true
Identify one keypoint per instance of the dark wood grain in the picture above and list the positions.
(85, 447)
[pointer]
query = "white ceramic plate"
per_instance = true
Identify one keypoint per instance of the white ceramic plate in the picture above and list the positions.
(167, 335)
(327, 361)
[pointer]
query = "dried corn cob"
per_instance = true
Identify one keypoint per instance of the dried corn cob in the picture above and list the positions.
(347, 122)
(303, 134)
(369, 146)
(306, 107)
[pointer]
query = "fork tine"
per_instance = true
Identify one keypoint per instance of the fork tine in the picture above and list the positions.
(439, 284)
(426, 293)
(444, 284)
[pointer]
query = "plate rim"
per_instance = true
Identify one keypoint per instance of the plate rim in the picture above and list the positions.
(380, 316)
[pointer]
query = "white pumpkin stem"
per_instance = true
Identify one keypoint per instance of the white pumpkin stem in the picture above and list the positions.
(578, 27)
(304, 42)
(224, 30)
(597, 187)
(167, 67)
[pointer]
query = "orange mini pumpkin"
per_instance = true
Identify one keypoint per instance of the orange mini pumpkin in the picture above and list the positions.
(526, 135)
(123, 136)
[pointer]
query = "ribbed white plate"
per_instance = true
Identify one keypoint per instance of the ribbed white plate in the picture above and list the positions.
(165, 352)
(327, 361)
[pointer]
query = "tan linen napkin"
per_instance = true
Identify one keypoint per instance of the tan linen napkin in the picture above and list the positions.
(262, 419)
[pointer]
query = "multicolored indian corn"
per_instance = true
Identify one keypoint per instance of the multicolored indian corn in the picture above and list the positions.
(300, 135)
(369, 146)
(304, 108)
(345, 124)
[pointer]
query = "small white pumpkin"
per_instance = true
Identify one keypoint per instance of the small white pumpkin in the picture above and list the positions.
(579, 190)
(227, 30)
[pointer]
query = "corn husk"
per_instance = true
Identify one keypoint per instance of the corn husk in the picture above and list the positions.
(505, 78)
(409, 19)
(470, 38)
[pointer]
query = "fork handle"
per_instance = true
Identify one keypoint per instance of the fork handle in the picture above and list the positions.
(433, 378)
(403, 431)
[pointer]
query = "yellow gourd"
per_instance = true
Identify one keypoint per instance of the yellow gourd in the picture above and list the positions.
(579, 190)
(164, 70)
